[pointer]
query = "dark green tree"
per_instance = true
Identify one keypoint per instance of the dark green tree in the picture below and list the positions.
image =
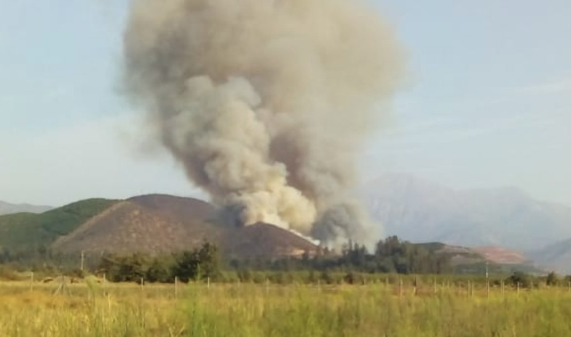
(198, 264)
(552, 279)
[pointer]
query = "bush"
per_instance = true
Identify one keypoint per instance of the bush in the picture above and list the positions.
(9, 274)
(520, 279)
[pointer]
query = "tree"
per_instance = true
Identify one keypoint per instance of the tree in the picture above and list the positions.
(134, 267)
(520, 279)
(198, 264)
(129, 268)
(552, 279)
(160, 270)
(186, 267)
(209, 261)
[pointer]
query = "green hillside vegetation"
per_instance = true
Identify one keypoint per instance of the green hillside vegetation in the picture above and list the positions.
(27, 230)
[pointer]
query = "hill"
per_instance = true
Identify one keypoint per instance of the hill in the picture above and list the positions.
(160, 224)
(7, 208)
(24, 230)
(496, 260)
(264, 240)
(152, 224)
(421, 211)
(502, 255)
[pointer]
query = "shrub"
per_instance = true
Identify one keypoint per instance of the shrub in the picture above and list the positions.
(8, 274)
(520, 279)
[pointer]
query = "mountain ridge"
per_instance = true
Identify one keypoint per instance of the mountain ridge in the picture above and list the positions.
(9, 208)
(422, 211)
(153, 224)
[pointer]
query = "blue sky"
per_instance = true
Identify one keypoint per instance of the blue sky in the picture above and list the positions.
(488, 101)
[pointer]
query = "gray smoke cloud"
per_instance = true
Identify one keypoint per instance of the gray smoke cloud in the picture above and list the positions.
(266, 103)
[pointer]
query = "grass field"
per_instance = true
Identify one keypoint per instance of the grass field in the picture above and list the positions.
(95, 309)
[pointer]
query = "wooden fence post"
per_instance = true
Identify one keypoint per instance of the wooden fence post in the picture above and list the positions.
(176, 286)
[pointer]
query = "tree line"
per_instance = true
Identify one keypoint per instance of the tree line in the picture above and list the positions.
(194, 265)
(354, 264)
(390, 256)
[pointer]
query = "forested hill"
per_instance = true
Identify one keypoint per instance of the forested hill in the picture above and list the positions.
(25, 230)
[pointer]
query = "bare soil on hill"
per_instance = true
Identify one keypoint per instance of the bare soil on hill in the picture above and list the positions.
(158, 224)
(502, 255)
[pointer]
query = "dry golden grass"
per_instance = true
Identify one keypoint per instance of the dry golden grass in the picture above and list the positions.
(93, 309)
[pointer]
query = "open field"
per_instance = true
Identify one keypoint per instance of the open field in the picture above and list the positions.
(95, 309)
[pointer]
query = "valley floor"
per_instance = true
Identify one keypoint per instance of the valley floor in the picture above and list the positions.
(95, 309)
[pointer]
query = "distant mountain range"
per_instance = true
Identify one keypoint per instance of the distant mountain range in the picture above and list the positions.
(422, 211)
(7, 208)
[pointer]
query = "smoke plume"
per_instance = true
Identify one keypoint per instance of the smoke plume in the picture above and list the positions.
(266, 103)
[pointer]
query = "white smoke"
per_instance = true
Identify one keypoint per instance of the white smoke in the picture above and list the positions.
(266, 102)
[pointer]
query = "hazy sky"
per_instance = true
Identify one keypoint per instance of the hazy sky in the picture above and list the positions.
(488, 102)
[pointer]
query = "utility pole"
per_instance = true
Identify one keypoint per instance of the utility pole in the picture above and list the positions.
(82, 260)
